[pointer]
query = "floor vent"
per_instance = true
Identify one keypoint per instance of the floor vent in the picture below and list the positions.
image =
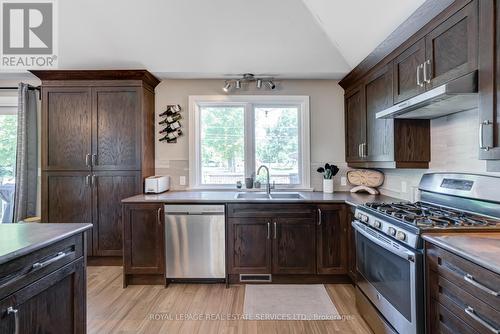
(256, 278)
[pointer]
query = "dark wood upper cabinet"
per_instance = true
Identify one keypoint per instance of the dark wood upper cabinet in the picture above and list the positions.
(379, 145)
(249, 245)
(66, 128)
(408, 72)
(332, 239)
(294, 246)
(355, 121)
(109, 188)
(489, 83)
(143, 239)
(116, 139)
(451, 48)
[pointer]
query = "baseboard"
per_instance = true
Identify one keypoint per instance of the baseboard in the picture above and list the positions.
(298, 279)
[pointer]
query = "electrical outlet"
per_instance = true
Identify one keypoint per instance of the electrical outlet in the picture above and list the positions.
(403, 186)
(182, 180)
(343, 181)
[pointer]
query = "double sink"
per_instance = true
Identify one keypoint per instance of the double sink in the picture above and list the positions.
(266, 196)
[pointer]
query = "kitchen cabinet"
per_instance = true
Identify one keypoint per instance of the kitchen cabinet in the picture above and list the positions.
(143, 243)
(451, 48)
(461, 296)
(355, 124)
(249, 240)
(332, 239)
(43, 279)
(291, 242)
(489, 84)
(407, 72)
(99, 126)
(294, 246)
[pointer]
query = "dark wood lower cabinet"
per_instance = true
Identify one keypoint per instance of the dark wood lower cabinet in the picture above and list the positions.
(294, 244)
(143, 244)
(249, 240)
(351, 241)
(332, 239)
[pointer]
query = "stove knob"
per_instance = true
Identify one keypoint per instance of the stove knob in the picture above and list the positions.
(377, 224)
(364, 218)
(401, 236)
(392, 231)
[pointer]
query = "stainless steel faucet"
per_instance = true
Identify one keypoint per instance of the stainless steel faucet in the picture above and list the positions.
(268, 184)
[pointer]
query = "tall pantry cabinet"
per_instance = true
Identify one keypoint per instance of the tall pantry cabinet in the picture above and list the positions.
(97, 148)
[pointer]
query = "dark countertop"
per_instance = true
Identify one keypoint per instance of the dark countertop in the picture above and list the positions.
(20, 239)
(482, 248)
(229, 197)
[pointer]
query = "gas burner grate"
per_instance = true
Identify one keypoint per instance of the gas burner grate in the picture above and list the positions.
(432, 216)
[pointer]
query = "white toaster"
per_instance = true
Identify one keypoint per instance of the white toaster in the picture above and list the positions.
(156, 184)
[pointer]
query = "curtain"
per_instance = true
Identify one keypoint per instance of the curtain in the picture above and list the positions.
(26, 155)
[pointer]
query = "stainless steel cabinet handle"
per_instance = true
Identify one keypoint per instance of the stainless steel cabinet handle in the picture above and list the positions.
(87, 160)
(359, 150)
(364, 150)
(470, 279)
(87, 180)
(58, 256)
(94, 159)
(427, 73)
(319, 216)
(481, 135)
(268, 230)
(274, 237)
(471, 313)
(15, 312)
(158, 216)
(93, 180)
(419, 83)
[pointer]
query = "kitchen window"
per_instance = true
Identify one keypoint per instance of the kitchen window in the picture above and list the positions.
(231, 136)
(8, 146)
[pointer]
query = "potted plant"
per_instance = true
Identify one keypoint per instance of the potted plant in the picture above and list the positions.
(329, 171)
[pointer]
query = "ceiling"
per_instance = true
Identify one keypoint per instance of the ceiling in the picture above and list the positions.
(219, 38)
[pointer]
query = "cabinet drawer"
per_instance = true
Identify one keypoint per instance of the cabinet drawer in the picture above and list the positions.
(474, 279)
(444, 322)
(24, 270)
(266, 210)
(468, 308)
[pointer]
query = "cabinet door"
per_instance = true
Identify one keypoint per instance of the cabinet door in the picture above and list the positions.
(451, 48)
(489, 84)
(355, 124)
(294, 246)
(407, 74)
(53, 304)
(109, 189)
(332, 239)
(116, 128)
(143, 239)
(249, 245)
(379, 144)
(67, 198)
(66, 124)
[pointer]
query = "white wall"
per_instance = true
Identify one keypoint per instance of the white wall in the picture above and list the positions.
(326, 111)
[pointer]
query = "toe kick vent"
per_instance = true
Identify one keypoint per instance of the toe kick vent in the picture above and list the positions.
(256, 278)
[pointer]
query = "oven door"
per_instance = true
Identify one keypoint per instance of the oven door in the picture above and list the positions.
(388, 277)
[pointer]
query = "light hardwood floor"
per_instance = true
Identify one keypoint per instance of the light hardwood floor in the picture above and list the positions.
(139, 308)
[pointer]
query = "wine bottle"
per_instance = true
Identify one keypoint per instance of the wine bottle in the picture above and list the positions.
(173, 118)
(171, 127)
(171, 135)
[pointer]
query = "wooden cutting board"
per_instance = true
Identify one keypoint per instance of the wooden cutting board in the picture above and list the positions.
(365, 177)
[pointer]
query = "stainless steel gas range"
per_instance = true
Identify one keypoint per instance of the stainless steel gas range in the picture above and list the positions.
(389, 248)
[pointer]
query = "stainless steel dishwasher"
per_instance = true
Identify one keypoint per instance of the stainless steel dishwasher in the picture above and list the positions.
(195, 242)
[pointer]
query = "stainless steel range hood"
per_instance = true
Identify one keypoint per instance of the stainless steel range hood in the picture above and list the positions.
(452, 97)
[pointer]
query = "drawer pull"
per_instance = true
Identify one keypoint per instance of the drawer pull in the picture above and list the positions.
(471, 313)
(470, 279)
(15, 312)
(59, 256)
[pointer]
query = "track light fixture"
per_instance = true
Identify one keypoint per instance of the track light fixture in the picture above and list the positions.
(247, 78)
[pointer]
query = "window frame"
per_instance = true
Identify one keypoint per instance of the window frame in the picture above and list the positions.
(249, 102)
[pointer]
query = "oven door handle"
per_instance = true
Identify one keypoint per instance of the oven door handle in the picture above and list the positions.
(403, 253)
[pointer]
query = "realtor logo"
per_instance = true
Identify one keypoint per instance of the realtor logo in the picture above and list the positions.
(28, 34)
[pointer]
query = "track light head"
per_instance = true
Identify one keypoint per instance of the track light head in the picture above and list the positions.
(259, 83)
(270, 84)
(227, 87)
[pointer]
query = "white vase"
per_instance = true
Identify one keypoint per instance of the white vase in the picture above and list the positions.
(328, 186)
